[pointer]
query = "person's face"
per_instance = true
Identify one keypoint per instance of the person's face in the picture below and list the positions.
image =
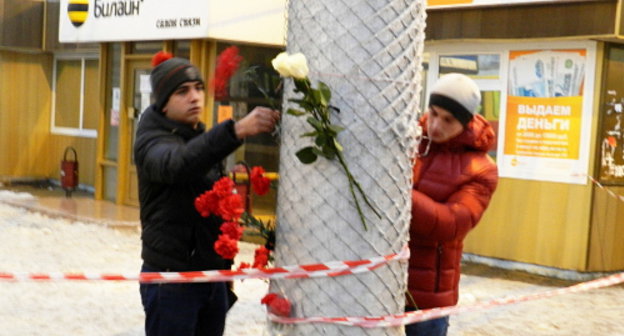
(186, 103)
(442, 126)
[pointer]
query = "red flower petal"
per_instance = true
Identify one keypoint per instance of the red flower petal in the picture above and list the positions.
(227, 65)
(259, 183)
(280, 307)
(223, 187)
(232, 230)
(231, 207)
(227, 248)
(277, 304)
(268, 298)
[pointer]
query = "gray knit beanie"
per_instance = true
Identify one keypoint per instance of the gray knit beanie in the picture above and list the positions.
(168, 74)
(457, 94)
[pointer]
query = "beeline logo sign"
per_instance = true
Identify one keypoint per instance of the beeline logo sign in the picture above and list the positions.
(77, 11)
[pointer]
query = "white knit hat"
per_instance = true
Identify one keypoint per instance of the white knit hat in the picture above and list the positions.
(457, 94)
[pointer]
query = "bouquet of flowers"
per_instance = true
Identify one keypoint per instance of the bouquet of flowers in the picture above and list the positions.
(224, 201)
(315, 105)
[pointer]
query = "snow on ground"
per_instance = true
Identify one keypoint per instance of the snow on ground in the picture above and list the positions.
(30, 242)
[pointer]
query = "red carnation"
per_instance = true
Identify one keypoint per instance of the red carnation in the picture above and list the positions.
(231, 207)
(276, 304)
(160, 57)
(226, 247)
(243, 266)
(268, 298)
(207, 203)
(223, 187)
(227, 65)
(232, 230)
(259, 183)
(261, 257)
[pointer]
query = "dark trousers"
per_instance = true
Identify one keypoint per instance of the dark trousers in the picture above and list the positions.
(437, 327)
(185, 309)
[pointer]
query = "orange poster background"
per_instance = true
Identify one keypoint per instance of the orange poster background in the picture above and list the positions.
(540, 141)
(224, 112)
(517, 53)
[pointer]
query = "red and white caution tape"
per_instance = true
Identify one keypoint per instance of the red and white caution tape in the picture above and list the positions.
(609, 191)
(328, 269)
(430, 314)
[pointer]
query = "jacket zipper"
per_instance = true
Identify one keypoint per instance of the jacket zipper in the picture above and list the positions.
(438, 268)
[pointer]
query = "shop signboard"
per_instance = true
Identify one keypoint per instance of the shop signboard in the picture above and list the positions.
(260, 21)
(546, 125)
(463, 3)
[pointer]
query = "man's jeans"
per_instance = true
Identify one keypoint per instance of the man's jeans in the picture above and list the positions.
(437, 327)
(185, 309)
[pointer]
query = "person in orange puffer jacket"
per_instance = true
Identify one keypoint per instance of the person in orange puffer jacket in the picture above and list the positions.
(454, 179)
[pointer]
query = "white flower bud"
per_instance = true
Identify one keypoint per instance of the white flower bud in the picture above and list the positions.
(280, 64)
(298, 66)
(295, 65)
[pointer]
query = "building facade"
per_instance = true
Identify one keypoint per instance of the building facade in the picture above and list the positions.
(550, 74)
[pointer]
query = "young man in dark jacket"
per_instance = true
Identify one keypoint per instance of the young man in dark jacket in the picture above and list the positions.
(177, 160)
(454, 180)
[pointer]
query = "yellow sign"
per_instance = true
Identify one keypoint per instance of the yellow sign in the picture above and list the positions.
(224, 113)
(543, 127)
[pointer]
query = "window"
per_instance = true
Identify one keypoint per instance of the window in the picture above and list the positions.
(75, 99)
(244, 96)
(477, 66)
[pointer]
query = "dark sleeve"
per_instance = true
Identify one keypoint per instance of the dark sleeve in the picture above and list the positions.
(167, 159)
(453, 219)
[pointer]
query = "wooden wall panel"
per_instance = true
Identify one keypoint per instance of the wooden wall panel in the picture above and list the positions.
(606, 249)
(21, 21)
(27, 148)
(511, 22)
(535, 222)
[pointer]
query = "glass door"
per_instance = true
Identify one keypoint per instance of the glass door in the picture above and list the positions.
(138, 91)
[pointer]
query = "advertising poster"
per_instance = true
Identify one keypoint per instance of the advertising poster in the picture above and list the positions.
(545, 132)
(611, 136)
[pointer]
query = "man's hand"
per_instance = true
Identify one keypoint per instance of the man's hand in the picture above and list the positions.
(259, 120)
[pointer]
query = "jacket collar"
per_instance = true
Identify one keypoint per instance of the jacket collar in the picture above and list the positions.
(156, 119)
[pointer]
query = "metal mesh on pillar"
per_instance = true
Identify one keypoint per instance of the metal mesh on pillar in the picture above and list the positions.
(369, 53)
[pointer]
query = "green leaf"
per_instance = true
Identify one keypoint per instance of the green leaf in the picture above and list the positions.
(296, 113)
(302, 85)
(315, 123)
(321, 140)
(329, 152)
(303, 103)
(318, 151)
(338, 145)
(318, 98)
(325, 93)
(336, 129)
(309, 134)
(306, 155)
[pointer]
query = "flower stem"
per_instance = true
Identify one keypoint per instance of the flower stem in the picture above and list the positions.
(354, 182)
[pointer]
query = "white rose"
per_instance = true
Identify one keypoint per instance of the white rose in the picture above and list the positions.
(298, 66)
(280, 64)
(294, 65)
